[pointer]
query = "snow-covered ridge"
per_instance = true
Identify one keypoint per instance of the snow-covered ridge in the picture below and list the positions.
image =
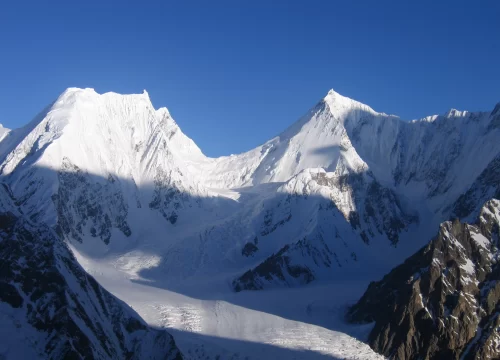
(126, 137)
(3, 132)
(345, 191)
(317, 134)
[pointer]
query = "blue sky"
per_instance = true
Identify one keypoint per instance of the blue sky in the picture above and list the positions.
(235, 73)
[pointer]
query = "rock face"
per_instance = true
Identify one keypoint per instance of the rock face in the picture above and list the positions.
(336, 206)
(52, 309)
(278, 269)
(250, 248)
(85, 207)
(374, 208)
(444, 301)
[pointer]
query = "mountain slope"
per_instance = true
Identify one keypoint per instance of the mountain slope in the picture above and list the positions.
(102, 166)
(421, 159)
(425, 159)
(50, 308)
(104, 135)
(96, 165)
(317, 139)
(443, 302)
(485, 187)
(339, 216)
(344, 192)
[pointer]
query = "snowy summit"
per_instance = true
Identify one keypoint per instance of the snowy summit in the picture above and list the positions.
(254, 255)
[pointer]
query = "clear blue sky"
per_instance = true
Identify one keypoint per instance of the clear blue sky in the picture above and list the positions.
(235, 73)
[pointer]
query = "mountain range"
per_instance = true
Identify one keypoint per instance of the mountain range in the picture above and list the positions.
(244, 256)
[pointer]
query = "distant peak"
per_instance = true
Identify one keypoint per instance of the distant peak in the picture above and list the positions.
(70, 95)
(77, 89)
(334, 96)
(71, 91)
(455, 113)
(337, 101)
(332, 92)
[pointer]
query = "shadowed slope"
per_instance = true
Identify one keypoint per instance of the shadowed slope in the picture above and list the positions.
(51, 308)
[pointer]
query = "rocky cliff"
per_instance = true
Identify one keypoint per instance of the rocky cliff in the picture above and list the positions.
(444, 301)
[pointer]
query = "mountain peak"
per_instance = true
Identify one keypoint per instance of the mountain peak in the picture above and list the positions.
(332, 92)
(73, 90)
(455, 113)
(339, 103)
(72, 93)
(333, 95)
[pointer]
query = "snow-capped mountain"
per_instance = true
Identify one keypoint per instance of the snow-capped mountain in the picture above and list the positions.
(95, 165)
(344, 191)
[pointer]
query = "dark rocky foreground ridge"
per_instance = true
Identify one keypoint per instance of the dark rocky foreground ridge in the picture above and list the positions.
(444, 301)
(55, 310)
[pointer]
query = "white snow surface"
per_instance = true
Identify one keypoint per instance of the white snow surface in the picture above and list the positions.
(176, 273)
(279, 324)
(3, 132)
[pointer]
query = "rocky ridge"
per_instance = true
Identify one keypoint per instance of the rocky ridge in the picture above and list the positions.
(444, 301)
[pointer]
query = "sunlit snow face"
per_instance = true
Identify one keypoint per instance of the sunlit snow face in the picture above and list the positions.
(134, 262)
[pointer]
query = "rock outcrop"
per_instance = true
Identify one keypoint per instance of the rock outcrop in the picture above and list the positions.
(444, 301)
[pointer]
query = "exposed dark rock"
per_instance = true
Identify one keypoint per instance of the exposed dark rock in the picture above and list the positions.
(277, 266)
(249, 249)
(354, 219)
(378, 207)
(169, 196)
(281, 269)
(444, 301)
(87, 207)
(173, 217)
(271, 223)
(10, 295)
